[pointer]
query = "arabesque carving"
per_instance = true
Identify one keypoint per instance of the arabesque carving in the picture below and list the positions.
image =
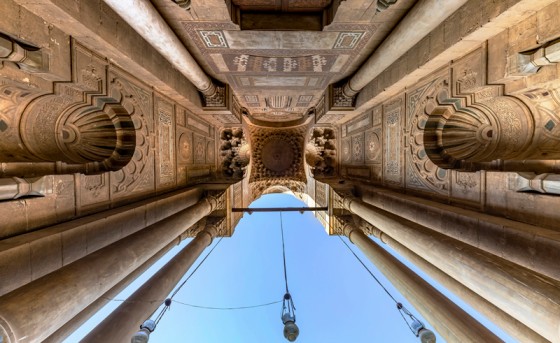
(67, 132)
(277, 154)
(320, 151)
(478, 131)
(235, 152)
(422, 173)
(138, 174)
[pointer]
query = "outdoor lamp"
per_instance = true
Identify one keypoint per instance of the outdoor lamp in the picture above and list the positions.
(291, 331)
(426, 336)
(143, 335)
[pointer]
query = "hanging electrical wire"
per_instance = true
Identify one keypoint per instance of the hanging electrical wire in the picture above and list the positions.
(150, 325)
(229, 308)
(291, 330)
(414, 324)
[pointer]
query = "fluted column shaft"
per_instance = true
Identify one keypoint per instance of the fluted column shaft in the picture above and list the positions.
(509, 324)
(39, 308)
(529, 297)
(124, 321)
(453, 323)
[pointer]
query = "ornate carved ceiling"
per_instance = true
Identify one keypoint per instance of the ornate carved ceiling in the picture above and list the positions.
(277, 154)
(279, 75)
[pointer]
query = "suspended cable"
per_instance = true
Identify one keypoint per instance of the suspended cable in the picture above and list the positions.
(291, 330)
(415, 325)
(284, 253)
(201, 306)
(195, 269)
(150, 325)
(369, 271)
(229, 308)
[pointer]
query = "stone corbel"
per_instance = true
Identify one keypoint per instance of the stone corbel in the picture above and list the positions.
(26, 56)
(532, 61)
(14, 188)
(341, 97)
(217, 98)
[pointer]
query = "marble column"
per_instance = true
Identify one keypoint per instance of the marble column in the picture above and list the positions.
(529, 297)
(449, 320)
(417, 24)
(69, 327)
(530, 246)
(28, 256)
(510, 325)
(39, 308)
(124, 321)
(144, 18)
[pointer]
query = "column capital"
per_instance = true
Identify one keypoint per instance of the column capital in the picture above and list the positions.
(347, 225)
(212, 227)
(347, 201)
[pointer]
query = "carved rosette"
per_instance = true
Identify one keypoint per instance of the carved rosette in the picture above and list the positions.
(460, 131)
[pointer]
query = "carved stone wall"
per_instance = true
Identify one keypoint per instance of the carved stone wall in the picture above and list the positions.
(119, 139)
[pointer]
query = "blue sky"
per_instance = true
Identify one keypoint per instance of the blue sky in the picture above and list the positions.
(336, 299)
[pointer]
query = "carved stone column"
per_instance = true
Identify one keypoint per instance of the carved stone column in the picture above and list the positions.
(27, 257)
(145, 19)
(449, 320)
(532, 247)
(124, 321)
(39, 308)
(510, 325)
(69, 327)
(417, 24)
(529, 297)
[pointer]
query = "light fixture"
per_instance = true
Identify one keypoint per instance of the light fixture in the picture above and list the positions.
(426, 336)
(413, 323)
(143, 335)
(416, 326)
(291, 330)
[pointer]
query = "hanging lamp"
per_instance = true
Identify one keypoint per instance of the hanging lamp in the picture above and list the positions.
(143, 335)
(413, 323)
(291, 330)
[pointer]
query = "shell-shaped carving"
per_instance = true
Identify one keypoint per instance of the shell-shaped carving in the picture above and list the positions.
(90, 137)
(103, 134)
